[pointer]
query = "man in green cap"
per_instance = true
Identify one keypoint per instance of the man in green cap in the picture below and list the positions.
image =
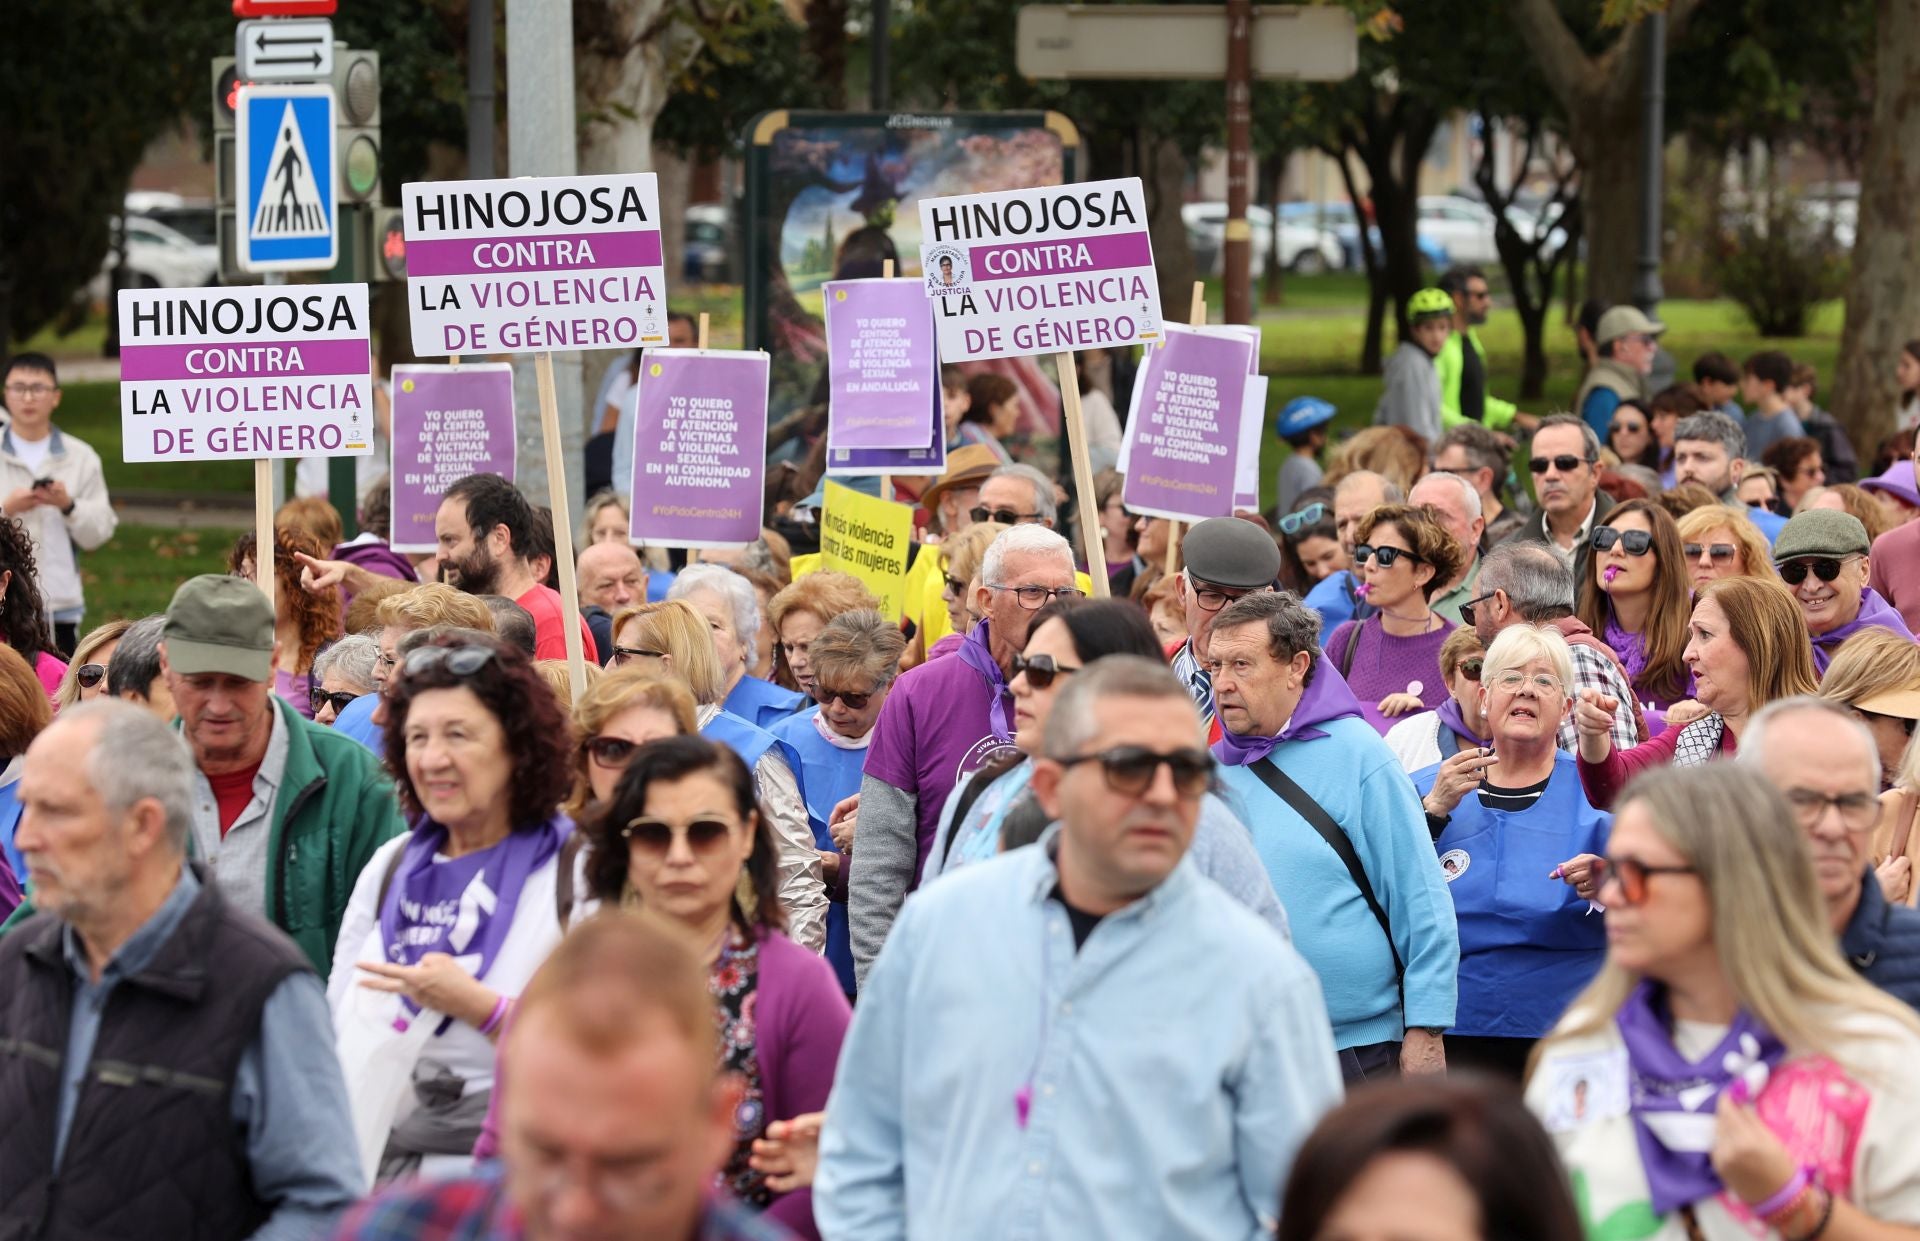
(1822, 556)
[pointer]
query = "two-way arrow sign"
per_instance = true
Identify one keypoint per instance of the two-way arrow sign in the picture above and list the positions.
(285, 49)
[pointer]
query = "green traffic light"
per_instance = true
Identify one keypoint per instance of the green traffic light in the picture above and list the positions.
(362, 166)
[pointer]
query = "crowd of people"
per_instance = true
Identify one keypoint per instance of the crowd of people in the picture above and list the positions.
(1428, 858)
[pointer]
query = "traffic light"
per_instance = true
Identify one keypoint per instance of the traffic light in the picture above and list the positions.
(226, 82)
(389, 244)
(356, 88)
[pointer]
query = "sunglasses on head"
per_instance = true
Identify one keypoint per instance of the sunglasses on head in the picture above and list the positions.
(320, 698)
(1632, 542)
(1826, 568)
(1005, 516)
(90, 675)
(1294, 523)
(1040, 669)
(1718, 551)
(1387, 557)
(1566, 463)
(1632, 874)
(655, 837)
(855, 702)
(461, 661)
(1130, 769)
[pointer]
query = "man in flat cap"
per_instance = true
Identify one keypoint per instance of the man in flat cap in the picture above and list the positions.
(1226, 558)
(1822, 556)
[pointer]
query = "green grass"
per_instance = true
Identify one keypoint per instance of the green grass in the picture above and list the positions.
(91, 411)
(134, 573)
(85, 341)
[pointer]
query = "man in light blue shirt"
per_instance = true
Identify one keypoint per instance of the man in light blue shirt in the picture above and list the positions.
(1085, 1037)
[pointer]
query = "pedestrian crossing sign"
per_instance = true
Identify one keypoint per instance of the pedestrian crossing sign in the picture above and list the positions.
(285, 179)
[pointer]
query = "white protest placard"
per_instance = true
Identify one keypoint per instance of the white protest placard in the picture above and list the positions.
(1246, 469)
(1044, 270)
(535, 264)
(245, 373)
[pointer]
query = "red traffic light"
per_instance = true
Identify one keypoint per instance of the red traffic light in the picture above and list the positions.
(285, 8)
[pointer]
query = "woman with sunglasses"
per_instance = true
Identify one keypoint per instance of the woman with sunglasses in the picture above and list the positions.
(683, 839)
(1822, 556)
(423, 972)
(622, 711)
(1747, 646)
(672, 639)
(799, 612)
(1505, 818)
(342, 673)
(1310, 548)
(1876, 676)
(1636, 598)
(1403, 556)
(1796, 462)
(1432, 736)
(1717, 540)
(994, 811)
(86, 675)
(854, 659)
(1728, 1075)
(1630, 436)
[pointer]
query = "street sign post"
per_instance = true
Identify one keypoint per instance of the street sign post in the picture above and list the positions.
(284, 50)
(285, 179)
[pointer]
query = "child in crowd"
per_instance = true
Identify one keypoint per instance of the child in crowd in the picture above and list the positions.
(1303, 424)
(1411, 397)
(1843, 463)
(1764, 380)
(1718, 379)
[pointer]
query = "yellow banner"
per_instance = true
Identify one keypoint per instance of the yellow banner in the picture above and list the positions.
(869, 538)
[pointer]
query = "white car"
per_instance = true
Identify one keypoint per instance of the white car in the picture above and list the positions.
(1304, 249)
(1462, 225)
(162, 257)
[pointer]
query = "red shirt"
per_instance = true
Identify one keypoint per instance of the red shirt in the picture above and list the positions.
(549, 639)
(231, 792)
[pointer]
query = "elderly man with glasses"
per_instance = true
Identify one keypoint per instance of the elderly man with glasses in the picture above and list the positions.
(1822, 556)
(1226, 559)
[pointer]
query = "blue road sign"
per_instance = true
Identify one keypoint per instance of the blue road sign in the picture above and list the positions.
(285, 178)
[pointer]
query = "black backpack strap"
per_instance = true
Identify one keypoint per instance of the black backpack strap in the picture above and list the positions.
(1346, 656)
(1303, 804)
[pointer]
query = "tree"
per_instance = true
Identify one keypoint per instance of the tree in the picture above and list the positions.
(1532, 261)
(1883, 292)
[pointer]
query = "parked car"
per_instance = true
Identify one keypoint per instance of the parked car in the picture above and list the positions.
(1463, 226)
(1304, 249)
(707, 256)
(1339, 218)
(160, 256)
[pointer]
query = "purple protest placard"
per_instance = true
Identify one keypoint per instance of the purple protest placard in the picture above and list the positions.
(1183, 438)
(930, 458)
(448, 422)
(700, 448)
(882, 363)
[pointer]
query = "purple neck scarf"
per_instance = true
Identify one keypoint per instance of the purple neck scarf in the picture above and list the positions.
(463, 907)
(1449, 713)
(1325, 699)
(1874, 611)
(1633, 656)
(977, 655)
(1672, 1102)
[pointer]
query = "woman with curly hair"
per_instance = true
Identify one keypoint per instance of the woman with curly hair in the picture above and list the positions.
(1403, 556)
(24, 625)
(304, 622)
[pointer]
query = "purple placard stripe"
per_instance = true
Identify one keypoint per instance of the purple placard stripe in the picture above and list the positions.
(245, 360)
(488, 256)
(1027, 259)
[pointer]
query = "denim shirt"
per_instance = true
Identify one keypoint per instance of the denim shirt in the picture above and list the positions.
(1170, 1067)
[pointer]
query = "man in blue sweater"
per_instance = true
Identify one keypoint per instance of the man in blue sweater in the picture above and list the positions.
(1342, 834)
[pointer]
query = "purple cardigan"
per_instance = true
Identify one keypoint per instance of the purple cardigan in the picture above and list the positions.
(800, 1019)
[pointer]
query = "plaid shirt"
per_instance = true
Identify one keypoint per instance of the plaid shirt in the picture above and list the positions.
(1592, 669)
(475, 1209)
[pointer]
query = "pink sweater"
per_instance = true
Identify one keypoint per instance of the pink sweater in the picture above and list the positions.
(50, 670)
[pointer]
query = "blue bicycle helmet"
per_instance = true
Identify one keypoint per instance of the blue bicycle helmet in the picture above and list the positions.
(1302, 414)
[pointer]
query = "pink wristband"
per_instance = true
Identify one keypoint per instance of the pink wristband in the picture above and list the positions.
(1795, 1185)
(499, 1012)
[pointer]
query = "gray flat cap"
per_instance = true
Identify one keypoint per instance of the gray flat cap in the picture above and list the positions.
(1227, 551)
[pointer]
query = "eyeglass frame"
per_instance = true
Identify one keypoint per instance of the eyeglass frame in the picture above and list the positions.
(1616, 870)
(1050, 594)
(1713, 551)
(981, 513)
(339, 699)
(1466, 609)
(1112, 754)
(1810, 816)
(1198, 587)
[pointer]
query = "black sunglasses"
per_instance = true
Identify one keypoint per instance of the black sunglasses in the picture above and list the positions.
(1294, 523)
(621, 654)
(1719, 551)
(1466, 609)
(1130, 769)
(320, 698)
(1632, 542)
(1472, 668)
(1005, 516)
(462, 661)
(1566, 463)
(958, 587)
(855, 702)
(1040, 669)
(656, 836)
(90, 675)
(611, 753)
(1386, 556)
(1826, 568)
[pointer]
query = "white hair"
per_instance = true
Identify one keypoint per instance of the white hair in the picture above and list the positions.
(722, 581)
(1043, 504)
(1023, 540)
(1753, 741)
(135, 755)
(1470, 495)
(1519, 645)
(352, 657)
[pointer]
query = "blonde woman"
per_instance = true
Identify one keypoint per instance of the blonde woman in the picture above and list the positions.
(1876, 675)
(86, 675)
(966, 552)
(1727, 1075)
(1719, 541)
(618, 714)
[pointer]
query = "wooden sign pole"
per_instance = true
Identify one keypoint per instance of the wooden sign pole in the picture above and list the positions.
(1090, 541)
(263, 528)
(562, 524)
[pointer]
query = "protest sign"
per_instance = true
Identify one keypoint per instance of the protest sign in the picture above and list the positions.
(928, 459)
(533, 264)
(699, 448)
(870, 538)
(1253, 421)
(882, 367)
(448, 422)
(1185, 432)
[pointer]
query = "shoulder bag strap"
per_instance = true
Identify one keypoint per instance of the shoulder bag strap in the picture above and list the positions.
(1346, 656)
(1303, 804)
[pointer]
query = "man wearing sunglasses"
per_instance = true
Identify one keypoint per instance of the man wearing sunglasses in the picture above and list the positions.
(1710, 448)
(942, 721)
(1226, 558)
(1061, 1010)
(1342, 834)
(1825, 763)
(1565, 464)
(1822, 556)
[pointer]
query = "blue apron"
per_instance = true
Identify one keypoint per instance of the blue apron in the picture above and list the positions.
(832, 774)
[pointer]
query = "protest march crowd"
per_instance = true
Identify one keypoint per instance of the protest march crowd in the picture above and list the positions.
(1431, 857)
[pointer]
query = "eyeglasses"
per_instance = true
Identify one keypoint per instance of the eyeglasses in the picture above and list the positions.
(1386, 556)
(1213, 598)
(1631, 874)
(320, 698)
(1040, 670)
(621, 654)
(1718, 551)
(1466, 609)
(655, 837)
(1858, 811)
(1632, 542)
(1756, 502)
(1826, 568)
(461, 661)
(1005, 516)
(1627, 428)
(90, 675)
(611, 753)
(1294, 523)
(1512, 680)
(1471, 668)
(956, 586)
(32, 389)
(855, 702)
(1130, 769)
(1033, 598)
(1566, 463)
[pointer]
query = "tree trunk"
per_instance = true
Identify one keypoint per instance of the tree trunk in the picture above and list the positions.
(1610, 187)
(625, 58)
(1883, 292)
(1267, 194)
(676, 179)
(1371, 344)
(827, 41)
(1163, 169)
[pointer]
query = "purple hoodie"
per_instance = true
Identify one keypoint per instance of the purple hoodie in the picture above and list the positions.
(1873, 611)
(1325, 698)
(377, 557)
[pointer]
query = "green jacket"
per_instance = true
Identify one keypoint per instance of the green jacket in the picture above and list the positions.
(1448, 364)
(335, 807)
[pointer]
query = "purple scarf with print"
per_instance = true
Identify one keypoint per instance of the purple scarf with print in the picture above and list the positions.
(462, 907)
(1325, 699)
(1672, 1102)
(977, 655)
